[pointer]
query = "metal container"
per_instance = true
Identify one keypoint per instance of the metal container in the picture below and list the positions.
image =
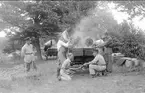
(82, 55)
(51, 52)
(77, 51)
(88, 51)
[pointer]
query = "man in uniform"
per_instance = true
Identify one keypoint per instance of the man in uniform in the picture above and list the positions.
(97, 64)
(28, 53)
(62, 47)
(108, 52)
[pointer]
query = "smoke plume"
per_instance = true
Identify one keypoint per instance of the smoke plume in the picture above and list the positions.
(88, 27)
(93, 26)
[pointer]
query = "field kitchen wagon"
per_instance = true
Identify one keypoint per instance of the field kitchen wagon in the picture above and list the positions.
(81, 55)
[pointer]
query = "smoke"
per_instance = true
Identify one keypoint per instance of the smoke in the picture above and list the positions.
(93, 26)
(88, 27)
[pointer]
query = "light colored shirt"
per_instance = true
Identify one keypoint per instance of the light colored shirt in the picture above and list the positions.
(61, 43)
(65, 35)
(66, 64)
(99, 59)
(27, 49)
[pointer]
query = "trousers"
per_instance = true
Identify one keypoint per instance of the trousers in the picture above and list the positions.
(28, 66)
(30, 60)
(61, 58)
(94, 68)
(109, 61)
(64, 75)
(108, 58)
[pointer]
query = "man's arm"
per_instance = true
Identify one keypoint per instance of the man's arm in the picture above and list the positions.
(95, 60)
(64, 44)
(34, 49)
(23, 51)
(65, 35)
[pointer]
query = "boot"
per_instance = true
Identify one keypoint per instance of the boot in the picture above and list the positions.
(93, 75)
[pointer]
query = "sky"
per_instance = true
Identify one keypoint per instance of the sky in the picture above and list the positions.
(2, 34)
(118, 16)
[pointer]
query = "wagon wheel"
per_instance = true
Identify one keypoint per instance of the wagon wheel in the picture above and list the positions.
(89, 42)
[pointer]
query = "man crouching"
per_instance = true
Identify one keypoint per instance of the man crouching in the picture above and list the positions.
(64, 72)
(97, 64)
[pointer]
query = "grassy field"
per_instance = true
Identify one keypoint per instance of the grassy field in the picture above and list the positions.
(46, 82)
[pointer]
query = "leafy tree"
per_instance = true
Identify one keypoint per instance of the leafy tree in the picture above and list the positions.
(131, 40)
(41, 20)
(38, 18)
(133, 8)
(71, 12)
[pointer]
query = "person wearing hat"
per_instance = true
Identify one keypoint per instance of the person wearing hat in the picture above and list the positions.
(64, 72)
(27, 52)
(97, 64)
(99, 44)
(62, 47)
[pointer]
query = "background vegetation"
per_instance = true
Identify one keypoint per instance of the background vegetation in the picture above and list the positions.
(44, 20)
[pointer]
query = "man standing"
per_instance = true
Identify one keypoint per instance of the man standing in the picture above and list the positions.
(28, 53)
(62, 48)
(108, 52)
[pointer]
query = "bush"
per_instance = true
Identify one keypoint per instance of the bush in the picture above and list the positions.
(9, 58)
(131, 41)
(4, 58)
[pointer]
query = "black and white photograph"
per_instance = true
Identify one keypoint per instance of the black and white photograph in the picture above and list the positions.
(72, 46)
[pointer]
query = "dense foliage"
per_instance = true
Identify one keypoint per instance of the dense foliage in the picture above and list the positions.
(129, 41)
(43, 19)
(39, 18)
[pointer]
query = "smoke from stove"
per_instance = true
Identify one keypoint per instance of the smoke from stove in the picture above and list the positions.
(88, 27)
(93, 26)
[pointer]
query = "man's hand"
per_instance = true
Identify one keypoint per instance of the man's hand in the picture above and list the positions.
(70, 46)
(34, 52)
(86, 64)
(22, 56)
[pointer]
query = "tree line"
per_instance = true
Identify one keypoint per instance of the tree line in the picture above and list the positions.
(41, 18)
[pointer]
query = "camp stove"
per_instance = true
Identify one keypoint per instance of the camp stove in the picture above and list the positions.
(82, 55)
